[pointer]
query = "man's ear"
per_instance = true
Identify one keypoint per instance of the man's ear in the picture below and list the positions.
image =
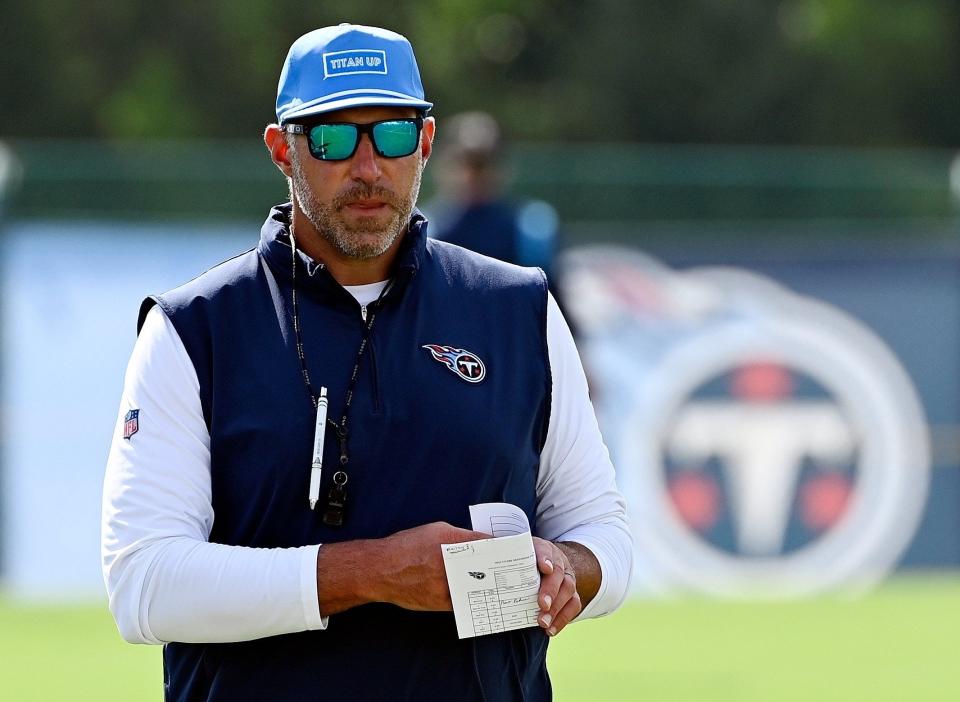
(276, 142)
(426, 141)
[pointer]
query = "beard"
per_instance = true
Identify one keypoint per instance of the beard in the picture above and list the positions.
(366, 237)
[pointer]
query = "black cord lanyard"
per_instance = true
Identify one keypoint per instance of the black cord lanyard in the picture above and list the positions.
(333, 513)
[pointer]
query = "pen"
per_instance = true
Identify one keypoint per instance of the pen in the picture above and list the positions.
(318, 434)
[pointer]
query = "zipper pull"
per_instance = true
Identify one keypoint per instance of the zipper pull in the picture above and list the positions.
(363, 312)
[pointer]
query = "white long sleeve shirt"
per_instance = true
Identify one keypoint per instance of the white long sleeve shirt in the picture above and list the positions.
(165, 580)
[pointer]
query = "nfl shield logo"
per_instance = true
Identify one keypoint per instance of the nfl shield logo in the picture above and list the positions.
(131, 423)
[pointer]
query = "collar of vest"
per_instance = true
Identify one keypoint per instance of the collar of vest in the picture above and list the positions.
(274, 247)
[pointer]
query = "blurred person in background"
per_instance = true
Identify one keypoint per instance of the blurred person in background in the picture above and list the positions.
(472, 209)
(452, 380)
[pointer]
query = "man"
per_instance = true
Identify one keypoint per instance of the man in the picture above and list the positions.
(451, 380)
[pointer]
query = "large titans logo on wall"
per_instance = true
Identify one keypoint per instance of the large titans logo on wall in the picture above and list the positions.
(767, 443)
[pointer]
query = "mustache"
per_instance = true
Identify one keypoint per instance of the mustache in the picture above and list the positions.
(366, 192)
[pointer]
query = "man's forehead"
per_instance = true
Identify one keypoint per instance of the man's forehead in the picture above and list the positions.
(363, 115)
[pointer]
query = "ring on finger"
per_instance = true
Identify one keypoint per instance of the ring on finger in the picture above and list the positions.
(570, 573)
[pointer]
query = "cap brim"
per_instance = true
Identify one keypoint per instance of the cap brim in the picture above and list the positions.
(363, 100)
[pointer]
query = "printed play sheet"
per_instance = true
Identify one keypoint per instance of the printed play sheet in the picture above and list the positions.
(494, 582)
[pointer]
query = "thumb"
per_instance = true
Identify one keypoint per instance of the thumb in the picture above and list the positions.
(460, 535)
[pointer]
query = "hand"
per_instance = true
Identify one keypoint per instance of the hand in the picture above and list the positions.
(416, 578)
(558, 598)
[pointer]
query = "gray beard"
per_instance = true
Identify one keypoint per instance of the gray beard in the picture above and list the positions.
(346, 239)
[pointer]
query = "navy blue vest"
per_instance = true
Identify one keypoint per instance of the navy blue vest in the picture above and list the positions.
(424, 445)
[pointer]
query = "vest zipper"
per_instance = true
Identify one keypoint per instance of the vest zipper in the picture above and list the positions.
(364, 313)
(374, 383)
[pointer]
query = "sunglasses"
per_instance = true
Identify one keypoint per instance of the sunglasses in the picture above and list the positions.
(338, 141)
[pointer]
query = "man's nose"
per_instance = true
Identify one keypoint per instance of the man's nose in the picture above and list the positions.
(365, 164)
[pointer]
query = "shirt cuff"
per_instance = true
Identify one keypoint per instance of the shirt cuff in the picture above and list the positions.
(308, 589)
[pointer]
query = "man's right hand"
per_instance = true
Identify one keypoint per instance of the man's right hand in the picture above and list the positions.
(417, 578)
(405, 569)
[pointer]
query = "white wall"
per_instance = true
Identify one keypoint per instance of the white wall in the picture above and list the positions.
(70, 296)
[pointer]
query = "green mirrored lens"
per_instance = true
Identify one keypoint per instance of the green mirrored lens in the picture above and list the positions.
(333, 142)
(396, 137)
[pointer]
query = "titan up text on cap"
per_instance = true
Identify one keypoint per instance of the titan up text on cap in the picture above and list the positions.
(348, 66)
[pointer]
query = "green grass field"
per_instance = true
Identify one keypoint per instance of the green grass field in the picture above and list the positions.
(901, 643)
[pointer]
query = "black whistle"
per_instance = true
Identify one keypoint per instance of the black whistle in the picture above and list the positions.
(336, 504)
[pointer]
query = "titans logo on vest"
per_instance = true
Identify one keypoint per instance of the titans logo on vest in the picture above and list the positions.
(465, 364)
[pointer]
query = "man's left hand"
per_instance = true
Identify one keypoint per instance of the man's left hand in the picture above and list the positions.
(558, 597)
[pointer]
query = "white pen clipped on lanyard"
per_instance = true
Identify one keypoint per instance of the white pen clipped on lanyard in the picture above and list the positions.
(318, 433)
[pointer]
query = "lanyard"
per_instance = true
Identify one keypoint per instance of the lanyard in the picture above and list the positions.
(333, 513)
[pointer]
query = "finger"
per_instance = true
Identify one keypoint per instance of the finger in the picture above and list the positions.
(457, 535)
(550, 591)
(568, 588)
(567, 592)
(550, 587)
(546, 554)
(566, 615)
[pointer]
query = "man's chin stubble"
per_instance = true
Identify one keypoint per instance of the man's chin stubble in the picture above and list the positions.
(348, 241)
(357, 242)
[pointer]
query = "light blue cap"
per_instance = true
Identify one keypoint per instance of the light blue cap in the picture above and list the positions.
(348, 66)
